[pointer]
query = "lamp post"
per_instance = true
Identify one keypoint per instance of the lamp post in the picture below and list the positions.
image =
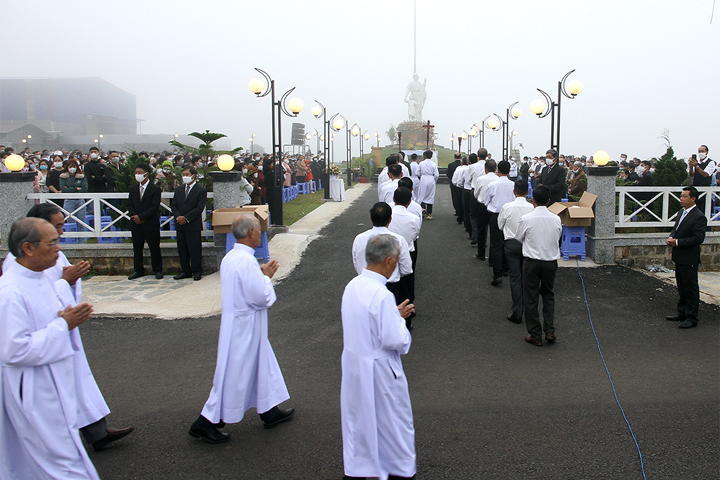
(356, 132)
(464, 136)
(497, 122)
(318, 110)
(97, 140)
(337, 122)
(252, 143)
(538, 106)
(473, 132)
(261, 89)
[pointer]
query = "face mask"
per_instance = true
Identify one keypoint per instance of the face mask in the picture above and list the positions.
(166, 170)
(115, 159)
(139, 177)
(93, 156)
(201, 165)
(187, 180)
(57, 164)
(72, 170)
(639, 170)
(43, 167)
(702, 156)
(549, 161)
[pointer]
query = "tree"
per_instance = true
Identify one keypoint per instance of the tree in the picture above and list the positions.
(392, 134)
(205, 149)
(669, 171)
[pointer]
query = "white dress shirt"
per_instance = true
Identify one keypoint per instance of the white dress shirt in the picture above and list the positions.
(414, 208)
(510, 215)
(459, 176)
(498, 193)
(406, 224)
(470, 175)
(539, 231)
(482, 183)
(388, 191)
(404, 266)
(384, 177)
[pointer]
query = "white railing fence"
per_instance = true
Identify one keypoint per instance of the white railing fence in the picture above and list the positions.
(651, 206)
(104, 206)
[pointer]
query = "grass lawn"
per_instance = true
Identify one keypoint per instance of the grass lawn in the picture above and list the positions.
(301, 206)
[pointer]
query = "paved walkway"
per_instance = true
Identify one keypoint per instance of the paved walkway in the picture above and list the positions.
(113, 296)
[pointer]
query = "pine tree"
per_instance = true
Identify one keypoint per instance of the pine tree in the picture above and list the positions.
(669, 171)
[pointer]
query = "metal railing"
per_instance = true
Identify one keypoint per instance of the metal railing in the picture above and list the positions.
(108, 205)
(659, 206)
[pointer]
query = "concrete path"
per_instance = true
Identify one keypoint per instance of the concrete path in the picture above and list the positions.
(169, 299)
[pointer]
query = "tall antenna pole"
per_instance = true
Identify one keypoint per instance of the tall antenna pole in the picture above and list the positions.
(415, 36)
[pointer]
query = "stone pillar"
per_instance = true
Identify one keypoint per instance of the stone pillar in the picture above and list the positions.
(601, 235)
(14, 205)
(377, 159)
(226, 194)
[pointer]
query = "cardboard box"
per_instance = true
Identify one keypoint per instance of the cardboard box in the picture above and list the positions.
(576, 214)
(222, 218)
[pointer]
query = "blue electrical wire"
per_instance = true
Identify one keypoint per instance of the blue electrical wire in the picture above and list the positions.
(642, 466)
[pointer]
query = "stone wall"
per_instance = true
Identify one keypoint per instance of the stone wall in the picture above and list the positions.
(643, 255)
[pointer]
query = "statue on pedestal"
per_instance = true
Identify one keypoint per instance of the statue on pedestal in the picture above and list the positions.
(415, 96)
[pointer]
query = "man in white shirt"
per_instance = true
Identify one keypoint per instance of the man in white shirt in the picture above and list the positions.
(388, 189)
(508, 220)
(702, 170)
(381, 216)
(407, 225)
(414, 207)
(497, 194)
(393, 159)
(469, 204)
(483, 214)
(458, 181)
(377, 421)
(539, 231)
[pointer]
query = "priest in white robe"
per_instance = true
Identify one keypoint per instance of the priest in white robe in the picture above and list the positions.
(429, 174)
(67, 279)
(39, 418)
(247, 374)
(377, 421)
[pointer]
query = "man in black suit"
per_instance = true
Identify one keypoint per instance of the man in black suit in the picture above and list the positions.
(553, 176)
(455, 192)
(685, 240)
(188, 205)
(143, 208)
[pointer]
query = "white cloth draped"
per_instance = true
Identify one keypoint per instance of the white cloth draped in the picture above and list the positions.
(247, 373)
(377, 421)
(429, 174)
(39, 421)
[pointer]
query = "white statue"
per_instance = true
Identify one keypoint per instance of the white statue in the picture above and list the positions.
(415, 96)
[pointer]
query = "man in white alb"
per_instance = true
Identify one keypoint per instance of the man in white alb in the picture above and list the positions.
(429, 174)
(247, 374)
(377, 421)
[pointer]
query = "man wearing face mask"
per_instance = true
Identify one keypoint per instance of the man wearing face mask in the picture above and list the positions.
(701, 170)
(553, 176)
(578, 184)
(95, 172)
(143, 208)
(188, 204)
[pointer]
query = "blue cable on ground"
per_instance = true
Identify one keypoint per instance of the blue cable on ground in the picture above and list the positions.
(642, 465)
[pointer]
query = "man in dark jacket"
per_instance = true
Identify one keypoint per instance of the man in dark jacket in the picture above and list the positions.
(455, 192)
(685, 240)
(143, 208)
(95, 172)
(188, 205)
(553, 176)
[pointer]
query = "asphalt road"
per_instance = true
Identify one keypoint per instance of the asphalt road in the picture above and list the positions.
(486, 404)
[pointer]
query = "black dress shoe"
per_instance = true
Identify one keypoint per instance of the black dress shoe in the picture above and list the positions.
(182, 276)
(136, 275)
(111, 436)
(505, 274)
(534, 341)
(197, 277)
(158, 275)
(675, 318)
(473, 242)
(687, 324)
(496, 281)
(514, 319)
(275, 416)
(481, 258)
(207, 432)
(550, 337)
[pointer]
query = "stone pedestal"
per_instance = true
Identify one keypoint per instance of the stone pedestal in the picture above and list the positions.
(14, 205)
(226, 194)
(601, 235)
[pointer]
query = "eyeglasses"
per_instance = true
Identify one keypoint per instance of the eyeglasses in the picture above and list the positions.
(52, 243)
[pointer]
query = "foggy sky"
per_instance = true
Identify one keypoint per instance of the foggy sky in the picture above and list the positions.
(646, 65)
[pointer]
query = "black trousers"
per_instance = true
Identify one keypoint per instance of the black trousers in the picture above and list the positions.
(456, 193)
(95, 431)
(539, 279)
(474, 213)
(402, 290)
(467, 197)
(514, 255)
(483, 222)
(152, 237)
(427, 207)
(686, 277)
(497, 248)
(189, 245)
